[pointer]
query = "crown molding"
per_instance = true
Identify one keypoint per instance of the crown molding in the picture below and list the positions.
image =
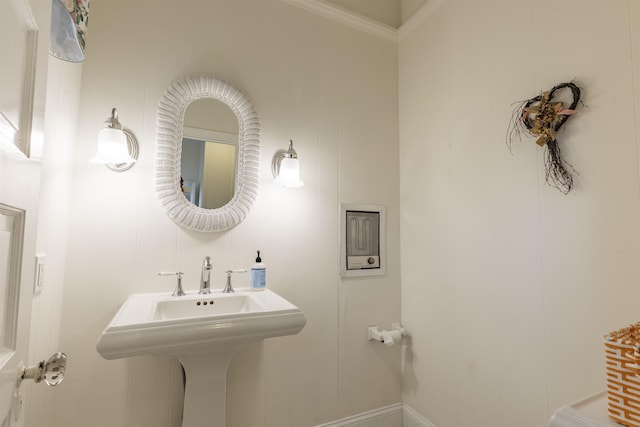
(368, 25)
(347, 17)
(425, 11)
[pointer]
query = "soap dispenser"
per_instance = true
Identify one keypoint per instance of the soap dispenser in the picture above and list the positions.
(258, 274)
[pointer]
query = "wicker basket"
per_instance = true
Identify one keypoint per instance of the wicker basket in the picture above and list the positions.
(622, 351)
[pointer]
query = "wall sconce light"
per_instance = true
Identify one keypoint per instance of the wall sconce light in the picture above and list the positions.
(117, 147)
(286, 168)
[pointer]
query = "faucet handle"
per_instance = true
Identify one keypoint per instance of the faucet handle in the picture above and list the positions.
(178, 292)
(229, 289)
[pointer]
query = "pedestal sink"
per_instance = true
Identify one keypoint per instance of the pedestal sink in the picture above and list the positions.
(203, 332)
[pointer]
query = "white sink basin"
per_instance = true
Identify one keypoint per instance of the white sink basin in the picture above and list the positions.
(163, 325)
(173, 308)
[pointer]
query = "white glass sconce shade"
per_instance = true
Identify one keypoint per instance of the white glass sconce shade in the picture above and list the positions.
(117, 148)
(112, 147)
(289, 174)
(286, 168)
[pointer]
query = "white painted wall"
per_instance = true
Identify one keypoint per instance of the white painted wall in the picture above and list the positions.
(508, 286)
(333, 91)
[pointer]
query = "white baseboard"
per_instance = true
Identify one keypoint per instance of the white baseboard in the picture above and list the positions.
(398, 415)
(410, 418)
(391, 416)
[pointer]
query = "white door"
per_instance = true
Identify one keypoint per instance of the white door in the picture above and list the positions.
(16, 241)
(19, 190)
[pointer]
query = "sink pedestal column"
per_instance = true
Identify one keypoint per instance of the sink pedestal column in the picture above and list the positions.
(205, 394)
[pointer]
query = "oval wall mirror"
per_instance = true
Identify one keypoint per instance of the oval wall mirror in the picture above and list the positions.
(207, 154)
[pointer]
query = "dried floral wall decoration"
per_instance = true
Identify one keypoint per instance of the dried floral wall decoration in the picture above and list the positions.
(79, 10)
(542, 117)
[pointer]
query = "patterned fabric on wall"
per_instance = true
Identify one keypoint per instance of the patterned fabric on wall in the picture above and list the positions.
(79, 10)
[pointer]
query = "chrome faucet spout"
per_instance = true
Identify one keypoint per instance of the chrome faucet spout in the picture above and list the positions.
(205, 278)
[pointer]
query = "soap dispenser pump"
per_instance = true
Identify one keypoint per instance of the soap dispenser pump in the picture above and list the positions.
(258, 274)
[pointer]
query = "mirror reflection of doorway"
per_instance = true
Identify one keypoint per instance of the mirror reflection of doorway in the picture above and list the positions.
(190, 191)
(209, 153)
(208, 170)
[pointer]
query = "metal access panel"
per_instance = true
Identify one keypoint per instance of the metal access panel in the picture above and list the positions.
(363, 240)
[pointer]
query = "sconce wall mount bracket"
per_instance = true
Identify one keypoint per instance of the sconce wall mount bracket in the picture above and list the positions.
(132, 145)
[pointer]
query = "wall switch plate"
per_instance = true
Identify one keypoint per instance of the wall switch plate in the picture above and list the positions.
(39, 276)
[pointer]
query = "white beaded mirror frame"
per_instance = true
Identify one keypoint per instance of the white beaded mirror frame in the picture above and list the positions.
(170, 119)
